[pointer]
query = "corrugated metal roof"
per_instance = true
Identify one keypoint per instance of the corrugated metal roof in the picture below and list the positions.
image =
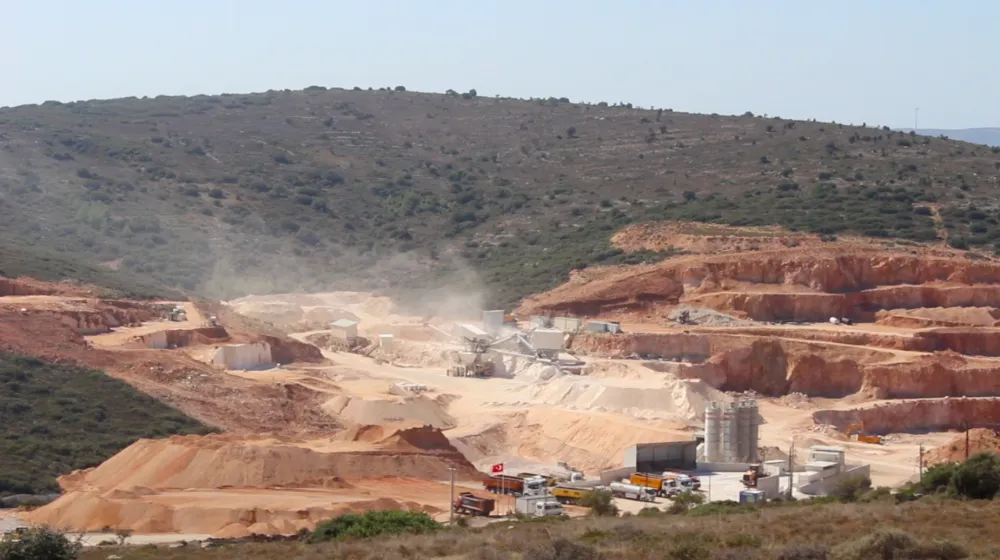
(344, 323)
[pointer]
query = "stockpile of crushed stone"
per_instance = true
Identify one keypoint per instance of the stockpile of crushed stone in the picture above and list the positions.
(360, 410)
(227, 486)
(703, 316)
(682, 400)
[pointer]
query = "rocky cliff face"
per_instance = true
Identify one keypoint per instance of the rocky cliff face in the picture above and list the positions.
(781, 285)
(927, 415)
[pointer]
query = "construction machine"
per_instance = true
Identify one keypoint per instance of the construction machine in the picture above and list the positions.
(473, 361)
(470, 504)
(754, 473)
(856, 432)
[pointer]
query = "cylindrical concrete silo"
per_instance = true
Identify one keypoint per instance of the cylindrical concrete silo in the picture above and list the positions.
(713, 417)
(729, 435)
(754, 429)
(742, 431)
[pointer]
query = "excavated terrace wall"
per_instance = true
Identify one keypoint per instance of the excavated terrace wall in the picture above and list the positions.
(857, 305)
(287, 350)
(243, 356)
(177, 338)
(793, 285)
(970, 341)
(102, 317)
(10, 287)
(930, 377)
(927, 415)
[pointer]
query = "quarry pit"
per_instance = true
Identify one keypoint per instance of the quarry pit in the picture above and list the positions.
(914, 355)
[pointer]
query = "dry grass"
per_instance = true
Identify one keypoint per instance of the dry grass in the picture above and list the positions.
(764, 534)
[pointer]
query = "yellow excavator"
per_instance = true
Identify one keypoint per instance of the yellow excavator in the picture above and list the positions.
(856, 431)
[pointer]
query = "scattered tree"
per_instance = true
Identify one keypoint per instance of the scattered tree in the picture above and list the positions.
(600, 503)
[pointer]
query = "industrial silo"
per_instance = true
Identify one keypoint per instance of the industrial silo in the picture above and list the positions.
(729, 435)
(754, 429)
(743, 430)
(713, 417)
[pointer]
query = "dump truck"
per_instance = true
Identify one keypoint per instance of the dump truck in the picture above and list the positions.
(515, 486)
(659, 484)
(632, 491)
(857, 431)
(549, 480)
(469, 504)
(570, 494)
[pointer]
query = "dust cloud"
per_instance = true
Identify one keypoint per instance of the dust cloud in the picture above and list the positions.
(444, 285)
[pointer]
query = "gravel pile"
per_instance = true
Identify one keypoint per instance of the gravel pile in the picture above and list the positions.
(706, 317)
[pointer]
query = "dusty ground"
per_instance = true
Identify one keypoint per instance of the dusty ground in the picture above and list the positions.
(923, 334)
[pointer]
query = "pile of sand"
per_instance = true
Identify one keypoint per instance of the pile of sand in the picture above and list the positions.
(587, 441)
(360, 410)
(407, 353)
(537, 372)
(220, 484)
(681, 400)
(225, 461)
(221, 513)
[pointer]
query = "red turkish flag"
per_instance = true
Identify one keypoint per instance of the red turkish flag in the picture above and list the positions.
(498, 468)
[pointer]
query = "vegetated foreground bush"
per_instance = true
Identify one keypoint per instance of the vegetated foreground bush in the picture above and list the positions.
(38, 544)
(59, 418)
(373, 523)
(976, 478)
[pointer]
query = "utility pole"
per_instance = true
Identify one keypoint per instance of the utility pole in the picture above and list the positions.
(791, 454)
(451, 509)
(916, 116)
(966, 440)
(921, 462)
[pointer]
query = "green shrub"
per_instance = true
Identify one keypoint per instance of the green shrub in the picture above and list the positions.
(600, 503)
(78, 418)
(937, 477)
(373, 523)
(977, 478)
(38, 544)
(850, 489)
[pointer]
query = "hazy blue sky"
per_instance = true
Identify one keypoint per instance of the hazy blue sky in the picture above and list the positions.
(854, 61)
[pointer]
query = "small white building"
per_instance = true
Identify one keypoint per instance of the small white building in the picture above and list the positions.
(567, 324)
(385, 342)
(547, 339)
(344, 329)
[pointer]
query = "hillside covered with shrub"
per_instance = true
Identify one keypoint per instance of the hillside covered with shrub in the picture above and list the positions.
(57, 418)
(350, 188)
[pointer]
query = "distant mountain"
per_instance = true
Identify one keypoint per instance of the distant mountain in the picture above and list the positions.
(988, 136)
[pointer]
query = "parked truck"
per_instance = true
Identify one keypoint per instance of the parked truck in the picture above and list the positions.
(565, 494)
(659, 484)
(632, 491)
(549, 480)
(470, 504)
(685, 481)
(515, 485)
